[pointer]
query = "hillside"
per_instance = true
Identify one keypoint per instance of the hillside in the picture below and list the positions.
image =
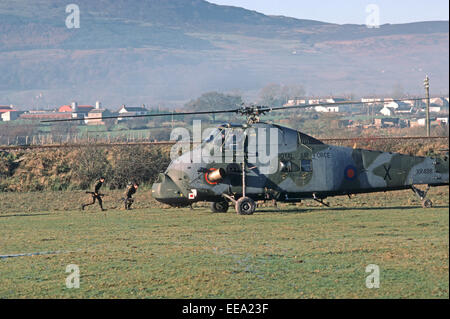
(134, 52)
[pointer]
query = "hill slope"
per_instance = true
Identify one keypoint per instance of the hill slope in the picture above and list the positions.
(133, 52)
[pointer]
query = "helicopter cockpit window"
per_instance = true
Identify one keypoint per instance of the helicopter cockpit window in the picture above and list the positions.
(306, 166)
(210, 138)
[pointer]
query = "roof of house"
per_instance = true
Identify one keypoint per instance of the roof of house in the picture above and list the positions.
(386, 109)
(134, 109)
(7, 110)
(99, 111)
(82, 108)
(338, 99)
(404, 107)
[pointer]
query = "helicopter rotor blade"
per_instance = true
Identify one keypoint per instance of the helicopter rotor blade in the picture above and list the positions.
(141, 115)
(244, 110)
(302, 106)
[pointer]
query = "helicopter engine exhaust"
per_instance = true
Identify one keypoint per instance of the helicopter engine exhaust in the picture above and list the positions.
(215, 175)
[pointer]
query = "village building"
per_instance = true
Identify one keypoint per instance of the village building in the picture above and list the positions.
(438, 101)
(314, 101)
(404, 108)
(409, 102)
(11, 115)
(131, 111)
(334, 100)
(44, 115)
(391, 108)
(371, 101)
(391, 104)
(387, 111)
(435, 108)
(5, 112)
(296, 102)
(391, 122)
(78, 111)
(442, 120)
(96, 115)
(327, 109)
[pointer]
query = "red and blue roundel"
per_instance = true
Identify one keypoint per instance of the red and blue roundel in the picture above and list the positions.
(350, 173)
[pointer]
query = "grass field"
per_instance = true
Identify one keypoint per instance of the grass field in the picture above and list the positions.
(294, 251)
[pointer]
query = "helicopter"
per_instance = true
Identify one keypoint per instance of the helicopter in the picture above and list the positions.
(298, 166)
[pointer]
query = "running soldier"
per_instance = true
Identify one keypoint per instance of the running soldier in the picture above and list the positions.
(131, 189)
(95, 194)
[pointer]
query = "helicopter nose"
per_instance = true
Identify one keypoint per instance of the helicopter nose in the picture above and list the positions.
(167, 192)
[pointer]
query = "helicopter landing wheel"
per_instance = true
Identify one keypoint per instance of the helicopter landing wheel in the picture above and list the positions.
(245, 206)
(427, 203)
(219, 207)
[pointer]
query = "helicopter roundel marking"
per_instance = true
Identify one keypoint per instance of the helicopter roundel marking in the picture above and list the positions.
(350, 173)
(206, 176)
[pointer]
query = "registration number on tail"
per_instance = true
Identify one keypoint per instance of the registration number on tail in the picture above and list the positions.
(421, 171)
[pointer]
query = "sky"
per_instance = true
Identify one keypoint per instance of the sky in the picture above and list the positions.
(348, 11)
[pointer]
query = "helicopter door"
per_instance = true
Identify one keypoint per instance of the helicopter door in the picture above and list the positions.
(255, 181)
(305, 164)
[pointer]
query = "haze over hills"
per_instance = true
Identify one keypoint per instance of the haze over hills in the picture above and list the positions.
(152, 52)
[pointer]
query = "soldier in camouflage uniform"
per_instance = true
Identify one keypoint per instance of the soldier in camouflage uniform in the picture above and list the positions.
(95, 194)
(131, 189)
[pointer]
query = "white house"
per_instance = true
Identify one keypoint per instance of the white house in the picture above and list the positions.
(387, 111)
(327, 109)
(131, 111)
(313, 101)
(370, 100)
(10, 115)
(404, 109)
(438, 101)
(391, 104)
(334, 100)
(435, 108)
(295, 102)
(409, 102)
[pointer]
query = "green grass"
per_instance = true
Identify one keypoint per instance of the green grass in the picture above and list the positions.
(296, 251)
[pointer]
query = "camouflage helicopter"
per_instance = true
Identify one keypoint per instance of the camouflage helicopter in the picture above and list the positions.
(302, 167)
(306, 169)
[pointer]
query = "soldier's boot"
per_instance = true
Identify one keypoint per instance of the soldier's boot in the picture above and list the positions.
(84, 206)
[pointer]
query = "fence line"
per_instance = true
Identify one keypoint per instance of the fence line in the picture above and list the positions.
(52, 139)
(131, 138)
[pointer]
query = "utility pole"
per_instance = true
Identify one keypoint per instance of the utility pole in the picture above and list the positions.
(426, 83)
